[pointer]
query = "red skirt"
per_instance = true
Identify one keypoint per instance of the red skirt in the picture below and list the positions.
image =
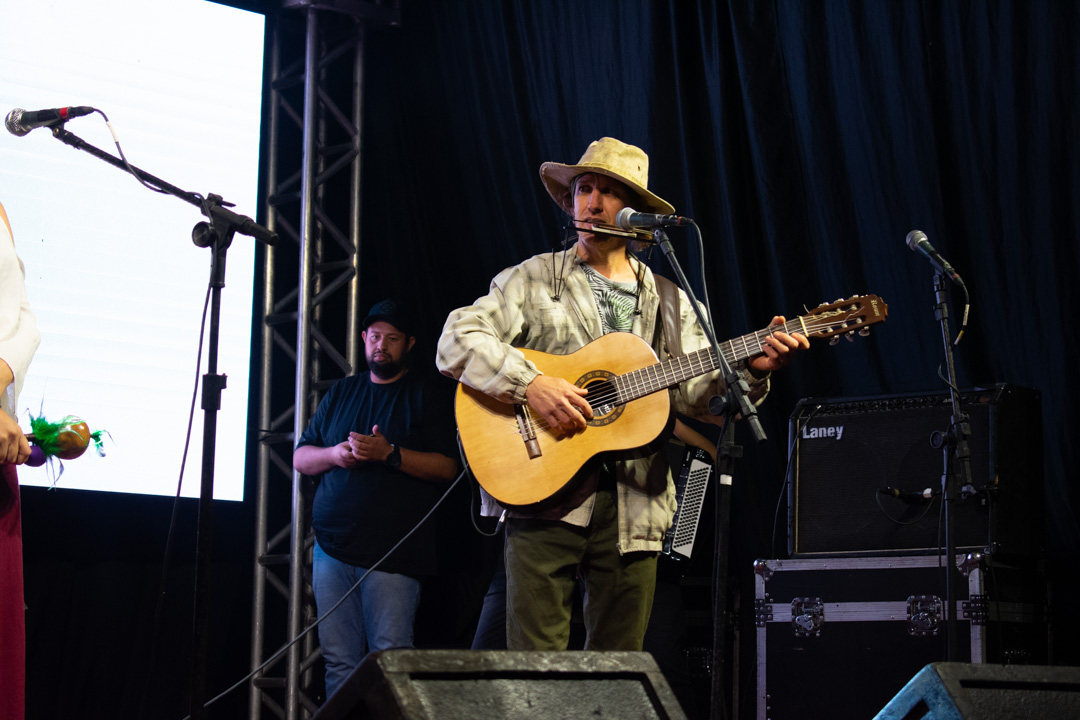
(12, 606)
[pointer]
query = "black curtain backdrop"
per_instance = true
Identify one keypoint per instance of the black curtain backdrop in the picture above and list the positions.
(805, 138)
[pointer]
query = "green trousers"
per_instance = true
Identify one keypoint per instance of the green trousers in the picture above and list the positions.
(544, 559)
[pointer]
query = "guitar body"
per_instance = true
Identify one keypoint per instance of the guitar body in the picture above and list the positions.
(498, 454)
(521, 463)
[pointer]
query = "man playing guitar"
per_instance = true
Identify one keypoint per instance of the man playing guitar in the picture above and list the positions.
(609, 524)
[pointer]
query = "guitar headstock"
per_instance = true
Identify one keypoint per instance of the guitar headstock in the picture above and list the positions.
(845, 317)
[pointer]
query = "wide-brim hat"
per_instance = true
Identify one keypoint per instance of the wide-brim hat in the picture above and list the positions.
(392, 312)
(607, 156)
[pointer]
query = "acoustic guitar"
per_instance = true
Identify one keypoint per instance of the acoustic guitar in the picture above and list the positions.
(521, 462)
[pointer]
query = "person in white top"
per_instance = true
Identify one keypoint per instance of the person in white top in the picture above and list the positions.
(19, 340)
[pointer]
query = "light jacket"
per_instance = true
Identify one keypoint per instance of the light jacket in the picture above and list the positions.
(545, 303)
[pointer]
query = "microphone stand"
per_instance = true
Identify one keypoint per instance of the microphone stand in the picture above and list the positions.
(736, 402)
(956, 470)
(216, 235)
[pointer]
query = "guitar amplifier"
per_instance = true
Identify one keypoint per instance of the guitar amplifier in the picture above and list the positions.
(690, 485)
(865, 478)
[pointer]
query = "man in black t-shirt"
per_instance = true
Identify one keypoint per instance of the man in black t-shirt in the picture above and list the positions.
(382, 443)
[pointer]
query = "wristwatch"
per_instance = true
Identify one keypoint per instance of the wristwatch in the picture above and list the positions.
(393, 460)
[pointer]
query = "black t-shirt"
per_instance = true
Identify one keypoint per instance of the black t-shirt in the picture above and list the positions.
(360, 514)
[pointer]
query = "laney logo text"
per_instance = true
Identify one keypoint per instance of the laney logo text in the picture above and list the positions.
(835, 431)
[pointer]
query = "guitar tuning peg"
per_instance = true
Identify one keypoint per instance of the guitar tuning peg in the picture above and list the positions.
(847, 336)
(834, 339)
(864, 332)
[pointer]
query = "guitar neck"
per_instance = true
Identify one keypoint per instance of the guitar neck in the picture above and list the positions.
(647, 380)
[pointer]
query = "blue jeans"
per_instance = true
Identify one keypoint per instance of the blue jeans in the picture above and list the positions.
(491, 627)
(378, 615)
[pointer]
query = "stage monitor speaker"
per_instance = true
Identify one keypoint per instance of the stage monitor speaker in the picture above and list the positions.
(503, 685)
(848, 452)
(966, 691)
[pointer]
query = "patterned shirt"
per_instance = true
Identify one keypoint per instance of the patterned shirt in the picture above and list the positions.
(615, 301)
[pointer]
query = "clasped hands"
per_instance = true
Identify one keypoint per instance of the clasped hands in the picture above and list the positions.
(360, 448)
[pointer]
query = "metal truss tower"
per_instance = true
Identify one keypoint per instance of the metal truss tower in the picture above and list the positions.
(310, 336)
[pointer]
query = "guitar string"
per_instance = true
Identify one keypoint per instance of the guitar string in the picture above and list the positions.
(675, 370)
(816, 324)
(812, 325)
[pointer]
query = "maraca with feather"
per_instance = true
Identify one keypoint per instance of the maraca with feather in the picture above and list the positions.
(65, 440)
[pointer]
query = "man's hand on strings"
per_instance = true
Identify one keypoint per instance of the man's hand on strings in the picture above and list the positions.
(561, 404)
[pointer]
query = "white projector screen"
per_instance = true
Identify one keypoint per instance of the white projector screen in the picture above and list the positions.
(112, 274)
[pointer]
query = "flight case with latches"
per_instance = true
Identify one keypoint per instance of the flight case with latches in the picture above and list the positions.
(839, 637)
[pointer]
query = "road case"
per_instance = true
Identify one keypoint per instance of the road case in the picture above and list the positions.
(839, 637)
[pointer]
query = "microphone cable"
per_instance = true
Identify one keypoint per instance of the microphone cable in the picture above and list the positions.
(281, 651)
(171, 533)
(787, 479)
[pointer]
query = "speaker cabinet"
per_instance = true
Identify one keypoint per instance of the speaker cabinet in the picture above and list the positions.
(962, 691)
(847, 452)
(503, 685)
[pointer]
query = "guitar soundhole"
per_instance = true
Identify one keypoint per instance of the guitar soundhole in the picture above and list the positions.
(603, 397)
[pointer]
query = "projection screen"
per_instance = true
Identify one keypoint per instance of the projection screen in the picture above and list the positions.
(112, 274)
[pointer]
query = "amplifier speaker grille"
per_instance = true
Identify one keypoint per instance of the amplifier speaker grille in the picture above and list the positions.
(503, 685)
(987, 692)
(847, 449)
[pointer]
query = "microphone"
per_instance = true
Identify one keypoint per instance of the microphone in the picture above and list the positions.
(908, 496)
(916, 240)
(19, 121)
(629, 219)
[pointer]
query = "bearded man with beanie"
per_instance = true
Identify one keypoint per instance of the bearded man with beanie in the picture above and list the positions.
(382, 447)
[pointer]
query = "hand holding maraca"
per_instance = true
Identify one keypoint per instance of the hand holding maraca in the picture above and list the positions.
(14, 447)
(65, 440)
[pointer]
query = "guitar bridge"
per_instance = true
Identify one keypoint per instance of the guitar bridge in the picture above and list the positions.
(527, 431)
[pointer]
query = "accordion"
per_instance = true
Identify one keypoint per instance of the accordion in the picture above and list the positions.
(690, 486)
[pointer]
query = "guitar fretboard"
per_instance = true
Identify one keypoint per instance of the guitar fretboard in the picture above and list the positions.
(646, 380)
